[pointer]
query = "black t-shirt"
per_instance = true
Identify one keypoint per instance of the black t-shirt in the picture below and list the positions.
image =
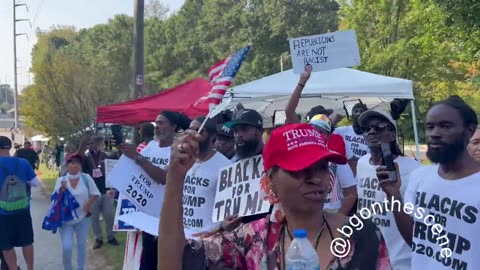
(28, 154)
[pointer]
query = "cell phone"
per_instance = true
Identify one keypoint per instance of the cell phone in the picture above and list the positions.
(117, 134)
(279, 118)
(387, 160)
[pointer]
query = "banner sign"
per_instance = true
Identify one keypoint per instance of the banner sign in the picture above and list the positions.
(326, 51)
(238, 190)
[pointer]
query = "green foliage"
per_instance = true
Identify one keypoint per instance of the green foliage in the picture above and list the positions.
(431, 42)
(409, 39)
(76, 71)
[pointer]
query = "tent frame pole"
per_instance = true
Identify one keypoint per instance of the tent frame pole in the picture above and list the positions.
(415, 131)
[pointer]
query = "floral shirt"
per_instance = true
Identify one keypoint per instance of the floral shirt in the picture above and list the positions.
(255, 246)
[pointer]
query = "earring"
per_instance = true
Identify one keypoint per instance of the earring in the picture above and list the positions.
(273, 198)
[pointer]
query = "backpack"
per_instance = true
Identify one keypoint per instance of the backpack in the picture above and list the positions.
(13, 192)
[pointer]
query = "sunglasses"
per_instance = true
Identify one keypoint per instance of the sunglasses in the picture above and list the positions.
(381, 127)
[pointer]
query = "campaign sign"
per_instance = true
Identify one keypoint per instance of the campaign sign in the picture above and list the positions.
(137, 186)
(326, 51)
(238, 190)
(124, 207)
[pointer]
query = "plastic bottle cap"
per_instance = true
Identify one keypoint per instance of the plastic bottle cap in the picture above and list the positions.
(300, 233)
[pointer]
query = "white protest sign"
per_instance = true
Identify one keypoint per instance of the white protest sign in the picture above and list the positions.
(109, 165)
(238, 190)
(137, 186)
(142, 221)
(326, 51)
(150, 224)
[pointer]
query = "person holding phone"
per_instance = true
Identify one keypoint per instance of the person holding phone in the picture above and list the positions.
(380, 131)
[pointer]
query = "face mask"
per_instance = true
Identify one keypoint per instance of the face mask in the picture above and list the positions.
(74, 176)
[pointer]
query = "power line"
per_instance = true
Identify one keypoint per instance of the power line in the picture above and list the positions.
(15, 35)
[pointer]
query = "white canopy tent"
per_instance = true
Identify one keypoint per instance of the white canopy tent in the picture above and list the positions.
(39, 138)
(328, 88)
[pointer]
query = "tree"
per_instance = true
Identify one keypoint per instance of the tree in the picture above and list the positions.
(76, 71)
(156, 9)
(408, 39)
(462, 12)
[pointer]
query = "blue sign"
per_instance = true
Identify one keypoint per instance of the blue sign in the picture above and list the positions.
(124, 207)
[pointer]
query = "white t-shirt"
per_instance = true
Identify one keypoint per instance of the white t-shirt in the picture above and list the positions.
(455, 205)
(199, 193)
(369, 192)
(160, 157)
(355, 145)
(81, 192)
(343, 178)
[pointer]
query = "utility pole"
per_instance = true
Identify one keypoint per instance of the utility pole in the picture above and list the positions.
(138, 50)
(138, 57)
(15, 35)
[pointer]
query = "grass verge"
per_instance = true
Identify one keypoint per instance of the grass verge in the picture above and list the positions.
(113, 255)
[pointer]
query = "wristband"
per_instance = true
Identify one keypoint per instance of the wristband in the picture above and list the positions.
(302, 85)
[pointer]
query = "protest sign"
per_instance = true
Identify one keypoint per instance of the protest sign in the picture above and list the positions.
(238, 190)
(124, 206)
(149, 224)
(109, 165)
(323, 52)
(137, 186)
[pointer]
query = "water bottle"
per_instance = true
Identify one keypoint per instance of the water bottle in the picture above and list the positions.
(301, 255)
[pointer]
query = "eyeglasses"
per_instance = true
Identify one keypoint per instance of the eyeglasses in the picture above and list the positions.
(381, 127)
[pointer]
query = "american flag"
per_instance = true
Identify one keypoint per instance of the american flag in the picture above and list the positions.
(334, 196)
(221, 75)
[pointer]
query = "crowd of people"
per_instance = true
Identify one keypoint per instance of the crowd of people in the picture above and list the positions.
(317, 176)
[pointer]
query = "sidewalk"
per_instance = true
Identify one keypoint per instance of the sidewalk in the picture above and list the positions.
(47, 246)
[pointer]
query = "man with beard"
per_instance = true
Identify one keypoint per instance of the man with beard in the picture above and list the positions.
(248, 131)
(379, 127)
(154, 159)
(474, 145)
(201, 180)
(353, 136)
(444, 233)
(248, 135)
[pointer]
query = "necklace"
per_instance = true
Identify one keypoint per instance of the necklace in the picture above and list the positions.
(283, 236)
(317, 238)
